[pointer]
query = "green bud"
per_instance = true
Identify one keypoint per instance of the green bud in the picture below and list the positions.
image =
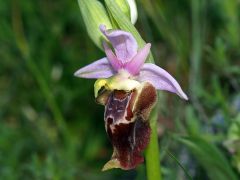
(94, 14)
(133, 11)
(129, 8)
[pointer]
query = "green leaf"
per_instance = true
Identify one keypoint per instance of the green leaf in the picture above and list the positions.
(124, 6)
(94, 14)
(210, 158)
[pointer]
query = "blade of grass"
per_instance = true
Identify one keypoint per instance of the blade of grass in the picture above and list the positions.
(209, 157)
(196, 55)
(180, 165)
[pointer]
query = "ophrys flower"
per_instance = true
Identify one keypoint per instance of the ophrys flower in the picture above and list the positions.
(127, 86)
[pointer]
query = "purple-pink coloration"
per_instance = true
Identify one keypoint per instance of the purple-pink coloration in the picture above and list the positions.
(127, 88)
(124, 44)
(126, 56)
(100, 68)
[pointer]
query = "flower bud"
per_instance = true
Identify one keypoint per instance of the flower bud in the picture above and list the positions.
(94, 14)
(129, 8)
(133, 11)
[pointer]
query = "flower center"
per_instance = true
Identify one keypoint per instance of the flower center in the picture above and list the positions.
(120, 81)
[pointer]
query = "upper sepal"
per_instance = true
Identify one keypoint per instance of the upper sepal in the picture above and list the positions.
(123, 42)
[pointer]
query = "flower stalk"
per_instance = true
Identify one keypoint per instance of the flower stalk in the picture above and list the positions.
(152, 153)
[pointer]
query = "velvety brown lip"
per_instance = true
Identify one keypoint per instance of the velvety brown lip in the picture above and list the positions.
(127, 125)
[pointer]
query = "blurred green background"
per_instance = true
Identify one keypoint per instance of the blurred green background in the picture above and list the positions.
(50, 126)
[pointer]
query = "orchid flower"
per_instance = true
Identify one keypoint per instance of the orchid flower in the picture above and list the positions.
(127, 86)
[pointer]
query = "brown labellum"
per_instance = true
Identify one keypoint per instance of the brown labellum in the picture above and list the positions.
(126, 122)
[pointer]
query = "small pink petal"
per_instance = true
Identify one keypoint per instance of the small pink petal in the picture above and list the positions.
(137, 62)
(124, 43)
(98, 69)
(160, 79)
(116, 64)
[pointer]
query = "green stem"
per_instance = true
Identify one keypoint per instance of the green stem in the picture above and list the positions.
(152, 154)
